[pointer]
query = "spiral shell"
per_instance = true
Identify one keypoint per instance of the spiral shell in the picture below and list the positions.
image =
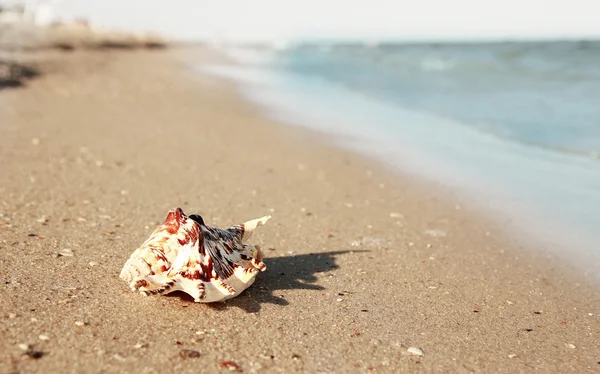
(183, 254)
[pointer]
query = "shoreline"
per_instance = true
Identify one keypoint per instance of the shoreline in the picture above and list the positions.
(512, 199)
(125, 136)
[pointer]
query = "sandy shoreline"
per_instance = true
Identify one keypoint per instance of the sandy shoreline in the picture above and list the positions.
(96, 152)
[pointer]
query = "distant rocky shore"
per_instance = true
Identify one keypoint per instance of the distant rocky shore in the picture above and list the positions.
(23, 36)
(18, 40)
(14, 73)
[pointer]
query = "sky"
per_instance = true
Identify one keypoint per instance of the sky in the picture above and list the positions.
(260, 20)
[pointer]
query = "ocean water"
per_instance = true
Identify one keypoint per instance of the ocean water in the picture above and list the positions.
(512, 126)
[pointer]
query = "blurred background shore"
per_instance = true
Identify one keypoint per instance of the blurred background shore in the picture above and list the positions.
(25, 34)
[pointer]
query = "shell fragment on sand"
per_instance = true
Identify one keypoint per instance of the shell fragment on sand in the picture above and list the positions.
(183, 254)
(415, 351)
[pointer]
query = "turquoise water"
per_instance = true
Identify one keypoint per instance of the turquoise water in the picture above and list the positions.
(514, 126)
(544, 94)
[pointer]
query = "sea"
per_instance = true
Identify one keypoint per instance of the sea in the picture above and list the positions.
(513, 127)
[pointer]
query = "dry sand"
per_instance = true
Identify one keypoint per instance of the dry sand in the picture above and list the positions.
(96, 151)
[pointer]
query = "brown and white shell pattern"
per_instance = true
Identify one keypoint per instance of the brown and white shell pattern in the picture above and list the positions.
(183, 254)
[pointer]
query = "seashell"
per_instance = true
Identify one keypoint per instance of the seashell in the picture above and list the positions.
(183, 254)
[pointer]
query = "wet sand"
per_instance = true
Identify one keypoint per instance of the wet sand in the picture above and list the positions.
(362, 264)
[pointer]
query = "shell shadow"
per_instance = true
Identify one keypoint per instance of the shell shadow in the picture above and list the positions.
(284, 273)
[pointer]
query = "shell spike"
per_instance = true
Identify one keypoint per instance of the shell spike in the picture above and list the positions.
(197, 218)
(250, 226)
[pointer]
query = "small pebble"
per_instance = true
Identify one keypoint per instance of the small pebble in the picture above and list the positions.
(12, 315)
(340, 299)
(35, 141)
(93, 263)
(572, 346)
(66, 252)
(415, 351)
(140, 345)
(34, 354)
(44, 337)
(79, 323)
(436, 233)
(229, 365)
(396, 215)
(33, 319)
(512, 355)
(23, 346)
(370, 242)
(188, 353)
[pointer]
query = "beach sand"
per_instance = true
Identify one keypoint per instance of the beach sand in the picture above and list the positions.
(363, 263)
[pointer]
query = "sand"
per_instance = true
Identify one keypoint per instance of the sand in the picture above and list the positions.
(364, 265)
